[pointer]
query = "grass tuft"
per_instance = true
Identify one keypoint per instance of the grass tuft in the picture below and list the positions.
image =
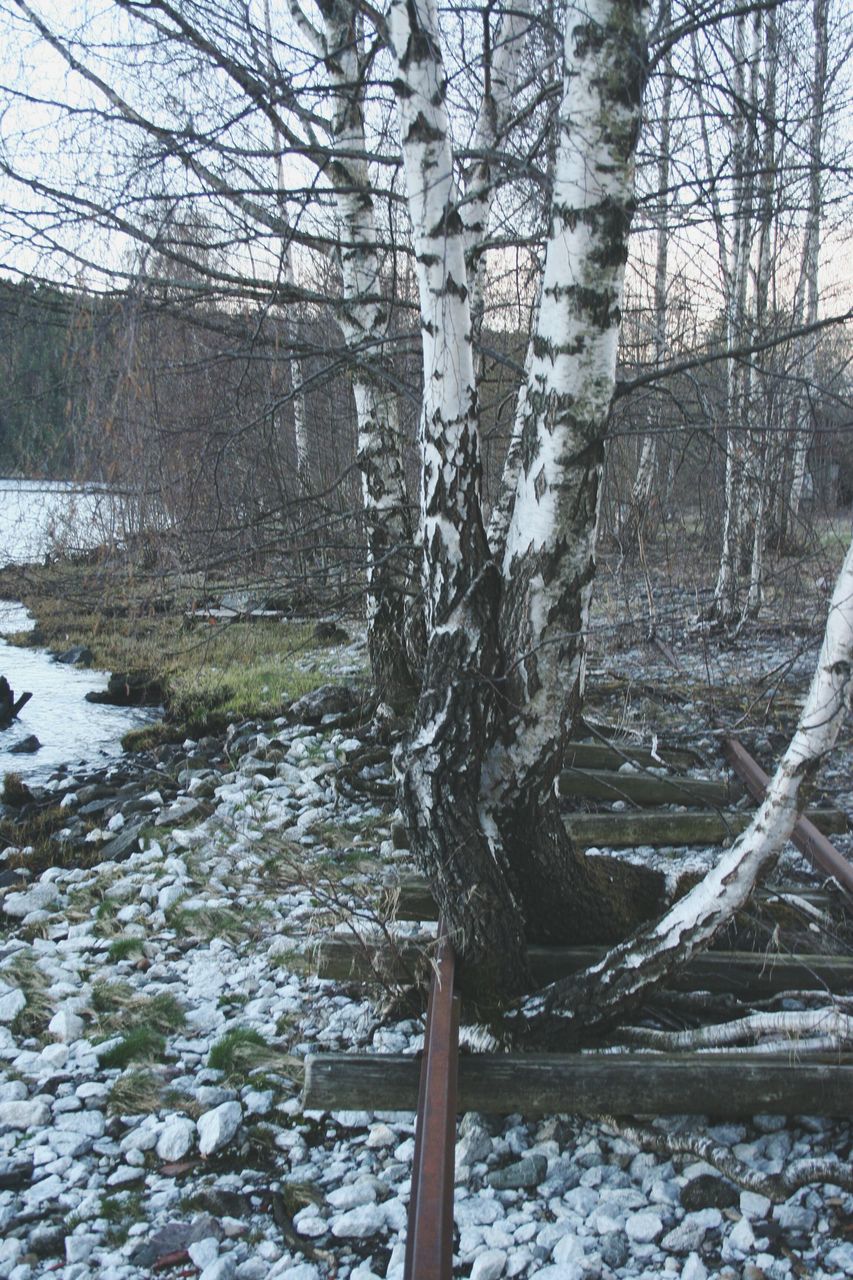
(142, 1044)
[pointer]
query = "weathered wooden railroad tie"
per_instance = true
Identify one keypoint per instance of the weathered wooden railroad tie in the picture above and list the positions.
(722, 1085)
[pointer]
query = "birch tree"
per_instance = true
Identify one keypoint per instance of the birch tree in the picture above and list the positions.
(503, 667)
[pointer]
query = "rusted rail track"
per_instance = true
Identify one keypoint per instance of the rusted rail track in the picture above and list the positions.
(805, 835)
(429, 1242)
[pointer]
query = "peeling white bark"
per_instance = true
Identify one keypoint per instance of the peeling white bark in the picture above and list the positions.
(365, 321)
(548, 561)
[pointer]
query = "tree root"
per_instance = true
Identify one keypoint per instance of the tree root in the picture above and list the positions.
(777, 1187)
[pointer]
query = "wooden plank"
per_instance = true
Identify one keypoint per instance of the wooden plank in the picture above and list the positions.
(739, 972)
(409, 898)
(659, 830)
(645, 788)
(729, 1086)
(602, 755)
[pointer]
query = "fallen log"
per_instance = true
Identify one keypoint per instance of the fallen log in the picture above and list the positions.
(743, 973)
(731, 1086)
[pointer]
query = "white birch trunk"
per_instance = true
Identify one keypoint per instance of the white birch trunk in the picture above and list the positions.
(365, 321)
(641, 491)
(761, 443)
(502, 64)
(549, 557)
(440, 787)
(620, 979)
(300, 424)
(726, 591)
(809, 282)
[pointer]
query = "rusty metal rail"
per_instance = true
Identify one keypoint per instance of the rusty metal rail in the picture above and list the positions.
(429, 1242)
(805, 835)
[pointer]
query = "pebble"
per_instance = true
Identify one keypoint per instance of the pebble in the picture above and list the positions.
(217, 1127)
(643, 1227)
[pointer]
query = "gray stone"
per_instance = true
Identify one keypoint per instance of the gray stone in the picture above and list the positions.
(795, 1217)
(528, 1172)
(708, 1191)
(173, 1237)
(614, 1249)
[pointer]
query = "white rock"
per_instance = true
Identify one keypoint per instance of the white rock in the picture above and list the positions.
(381, 1135)
(66, 1026)
(78, 1248)
(840, 1258)
(568, 1250)
(13, 1091)
(257, 1102)
(218, 1126)
(753, 1205)
(24, 1115)
(175, 1139)
(366, 1220)
(740, 1240)
(204, 1252)
(35, 898)
(694, 1269)
(221, 1269)
(12, 1001)
(353, 1194)
(91, 1124)
(643, 1227)
(489, 1265)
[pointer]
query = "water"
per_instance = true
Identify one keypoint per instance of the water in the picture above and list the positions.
(39, 518)
(33, 515)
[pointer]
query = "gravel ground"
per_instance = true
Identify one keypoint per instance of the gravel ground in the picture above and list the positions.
(154, 1009)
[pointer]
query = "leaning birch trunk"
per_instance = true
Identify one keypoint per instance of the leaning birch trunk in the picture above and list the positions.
(591, 1001)
(365, 321)
(549, 556)
(440, 785)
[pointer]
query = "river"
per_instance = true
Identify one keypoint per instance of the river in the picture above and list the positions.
(35, 518)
